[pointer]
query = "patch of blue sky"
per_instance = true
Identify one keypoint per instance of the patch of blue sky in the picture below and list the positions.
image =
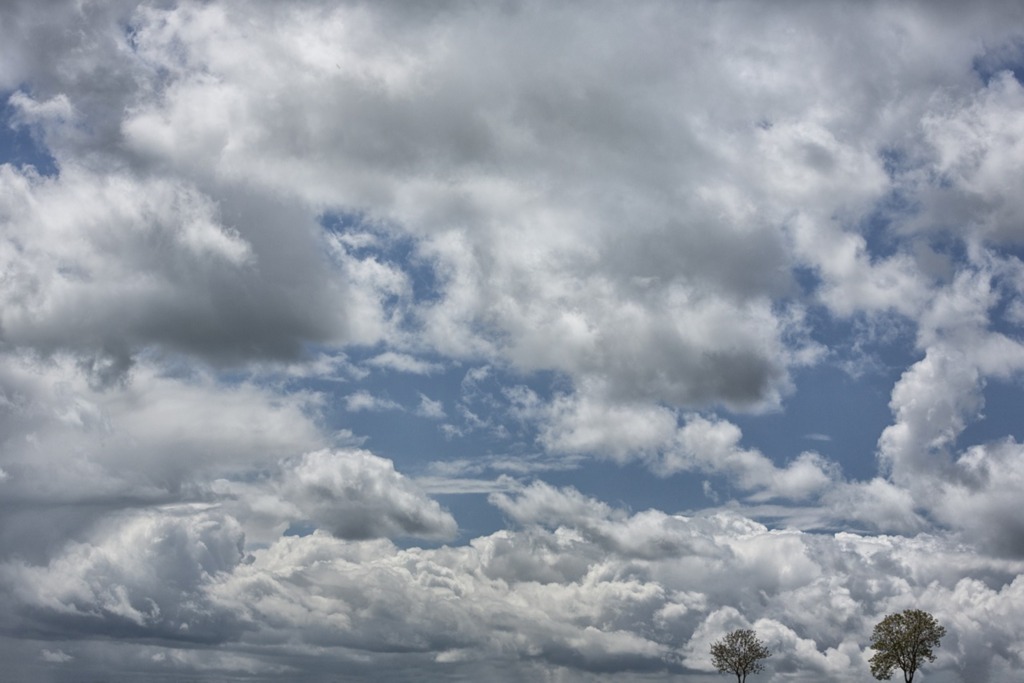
(1001, 417)
(1001, 58)
(474, 513)
(398, 412)
(1007, 315)
(633, 487)
(832, 413)
(365, 238)
(839, 406)
(19, 146)
(880, 227)
(300, 528)
(482, 437)
(895, 160)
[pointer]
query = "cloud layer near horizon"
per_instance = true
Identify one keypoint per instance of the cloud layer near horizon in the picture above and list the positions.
(550, 237)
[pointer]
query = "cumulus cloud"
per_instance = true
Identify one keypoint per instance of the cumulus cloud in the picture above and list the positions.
(109, 264)
(976, 143)
(355, 494)
(348, 492)
(938, 397)
(262, 220)
(129, 575)
(74, 451)
(583, 587)
(670, 443)
(561, 305)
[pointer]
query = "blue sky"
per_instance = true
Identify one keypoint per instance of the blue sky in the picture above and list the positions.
(533, 341)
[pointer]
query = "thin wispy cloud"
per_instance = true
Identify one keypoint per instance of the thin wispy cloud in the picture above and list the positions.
(401, 362)
(365, 401)
(814, 436)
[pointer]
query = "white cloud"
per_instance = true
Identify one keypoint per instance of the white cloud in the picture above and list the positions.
(937, 398)
(642, 240)
(589, 587)
(66, 439)
(55, 656)
(355, 494)
(583, 422)
(348, 492)
(551, 300)
(107, 263)
(652, 434)
(129, 575)
(978, 143)
(430, 408)
(402, 362)
(364, 400)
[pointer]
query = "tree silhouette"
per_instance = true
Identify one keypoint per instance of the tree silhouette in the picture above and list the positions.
(739, 652)
(904, 641)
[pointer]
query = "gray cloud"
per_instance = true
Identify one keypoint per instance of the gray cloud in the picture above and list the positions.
(135, 575)
(355, 494)
(583, 594)
(662, 207)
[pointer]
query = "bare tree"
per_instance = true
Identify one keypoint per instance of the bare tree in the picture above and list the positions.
(740, 653)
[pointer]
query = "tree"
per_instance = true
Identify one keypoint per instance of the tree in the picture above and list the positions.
(739, 652)
(905, 641)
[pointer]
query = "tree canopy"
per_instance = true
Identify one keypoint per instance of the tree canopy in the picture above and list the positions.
(904, 641)
(739, 652)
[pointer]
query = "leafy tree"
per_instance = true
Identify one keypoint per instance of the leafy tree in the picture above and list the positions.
(905, 641)
(739, 652)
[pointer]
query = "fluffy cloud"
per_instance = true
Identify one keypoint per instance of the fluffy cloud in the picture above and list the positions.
(134, 574)
(355, 494)
(976, 144)
(653, 434)
(73, 451)
(511, 298)
(260, 214)
(937, 398)
(577, 589)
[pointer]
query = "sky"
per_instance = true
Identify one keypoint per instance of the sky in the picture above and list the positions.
(508, 341)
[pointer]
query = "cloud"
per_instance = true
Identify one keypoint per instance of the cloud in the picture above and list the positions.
(583, 587)
(127, 578)
(935, 400)
(355, 494)
(108, 264)
(430, 408)
(653, 434)
(586, 422)
(976, 143)
(560, 306)
(74, 451)
(623, 248)
(401, 362)
(348, 492)
(55, 656)
(364, 400)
